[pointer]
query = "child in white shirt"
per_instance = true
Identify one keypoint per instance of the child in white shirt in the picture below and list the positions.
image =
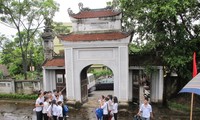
(60, 111)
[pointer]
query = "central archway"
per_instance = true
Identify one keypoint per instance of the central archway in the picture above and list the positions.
(95, 77)
(80, 58)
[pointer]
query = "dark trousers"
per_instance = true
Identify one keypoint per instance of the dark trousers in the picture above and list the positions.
(39, 115)
(60, 118)
(54, 117)
(45, 116)
(109, 117)
(115, 116)
(105, 117)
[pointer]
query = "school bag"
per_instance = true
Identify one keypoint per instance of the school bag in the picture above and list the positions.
(99, 112)
(65, 109)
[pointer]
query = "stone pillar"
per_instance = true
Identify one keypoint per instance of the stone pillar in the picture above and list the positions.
(130, 98)
(161, 85)
(69, 74)
(48, 37)
(123, 74)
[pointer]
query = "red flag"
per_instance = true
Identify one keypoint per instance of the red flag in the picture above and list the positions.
(194, 65)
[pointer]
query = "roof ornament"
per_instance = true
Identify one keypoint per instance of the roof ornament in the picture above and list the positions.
(80, 5)
(70, 12)
(81, 8)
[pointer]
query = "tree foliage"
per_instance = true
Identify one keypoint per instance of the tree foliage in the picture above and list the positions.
(27, 16)
(60, 28)
(11, 55)
(170, 27)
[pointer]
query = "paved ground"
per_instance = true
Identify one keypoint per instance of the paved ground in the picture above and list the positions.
(22, 110)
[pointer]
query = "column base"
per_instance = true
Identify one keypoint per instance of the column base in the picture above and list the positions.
(74, 104)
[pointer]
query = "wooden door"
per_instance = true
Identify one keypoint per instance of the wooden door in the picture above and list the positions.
(60, 81)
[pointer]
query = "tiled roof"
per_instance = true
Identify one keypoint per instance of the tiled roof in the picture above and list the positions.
(93, 36)
(95, 14)
(59, 62)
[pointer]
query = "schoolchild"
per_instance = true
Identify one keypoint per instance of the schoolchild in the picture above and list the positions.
(52, 110)
(104, 106)
(61, 98)
(45, 107)
(54, 94)
(60, 111)
(110, 105)
(39, 105)
(115, 107)
(145, 110)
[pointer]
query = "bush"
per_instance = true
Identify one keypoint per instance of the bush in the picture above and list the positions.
(178, 106)
(18, 96)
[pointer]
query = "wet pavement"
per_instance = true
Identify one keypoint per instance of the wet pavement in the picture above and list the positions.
(23, 110)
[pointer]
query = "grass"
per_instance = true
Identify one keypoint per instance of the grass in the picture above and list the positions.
(179, 107)
(18, 96)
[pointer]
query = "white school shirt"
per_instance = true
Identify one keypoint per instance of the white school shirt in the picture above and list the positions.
(45, 107)
(59, 111)
(105, 108)
(110, 105)
(52, 110)
(61, 98)
(146, 110)
(38, 101)
(115, 108)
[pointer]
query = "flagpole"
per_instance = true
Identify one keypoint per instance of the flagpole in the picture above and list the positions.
(193, 75)
(191, 108)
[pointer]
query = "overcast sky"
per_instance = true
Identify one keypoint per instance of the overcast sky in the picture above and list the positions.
(62, 15)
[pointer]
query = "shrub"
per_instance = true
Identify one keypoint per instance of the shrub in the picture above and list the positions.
(18, 96)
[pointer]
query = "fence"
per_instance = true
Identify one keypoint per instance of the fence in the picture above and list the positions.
(20, 86)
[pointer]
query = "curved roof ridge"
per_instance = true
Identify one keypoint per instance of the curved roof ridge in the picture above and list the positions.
(93, 13)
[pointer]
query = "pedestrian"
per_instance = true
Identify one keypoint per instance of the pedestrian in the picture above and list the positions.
(59, 111)
(104, 106)
(61, 98)
(39, 105)
(54, 94)
(145, 110)
(102, 99)
(110, 106)
(115, 107)
(57, 98)
(65, 111)
(52, 110)
(45, 107)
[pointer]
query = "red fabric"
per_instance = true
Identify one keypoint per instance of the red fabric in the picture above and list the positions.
(194, 65)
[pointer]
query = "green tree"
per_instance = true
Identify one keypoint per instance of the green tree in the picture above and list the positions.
(60, 28)
(11, 55)
(28, 16)
(170, 27)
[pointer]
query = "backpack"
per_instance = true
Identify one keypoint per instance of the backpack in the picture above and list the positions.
(99, 112)
(65, 109)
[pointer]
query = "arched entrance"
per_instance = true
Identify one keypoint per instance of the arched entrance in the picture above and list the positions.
(95, 77)
(115, 57)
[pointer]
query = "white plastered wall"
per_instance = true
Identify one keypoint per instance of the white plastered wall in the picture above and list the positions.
(110, 53)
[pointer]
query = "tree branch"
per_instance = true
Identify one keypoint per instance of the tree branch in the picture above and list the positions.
(186, 28)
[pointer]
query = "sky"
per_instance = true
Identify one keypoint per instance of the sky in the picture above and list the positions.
(62, 14)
